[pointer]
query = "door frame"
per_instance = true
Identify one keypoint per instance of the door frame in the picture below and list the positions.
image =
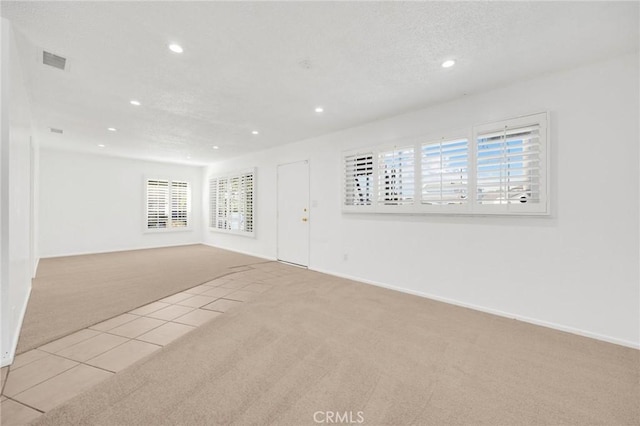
(308, 163)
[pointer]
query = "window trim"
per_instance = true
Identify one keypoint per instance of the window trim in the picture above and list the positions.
(169, 228)
(541, 208)
(228, 176)
(472, 207)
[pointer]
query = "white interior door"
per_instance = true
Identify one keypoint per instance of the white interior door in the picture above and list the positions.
(293, 213)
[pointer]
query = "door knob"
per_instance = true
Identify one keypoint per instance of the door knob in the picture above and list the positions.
(304, 219)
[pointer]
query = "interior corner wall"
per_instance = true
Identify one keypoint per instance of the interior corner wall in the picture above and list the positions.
(576, 270)
(95, 203)
(16, 212)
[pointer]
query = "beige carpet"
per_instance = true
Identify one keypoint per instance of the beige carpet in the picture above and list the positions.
(74, 292)
(316, 343)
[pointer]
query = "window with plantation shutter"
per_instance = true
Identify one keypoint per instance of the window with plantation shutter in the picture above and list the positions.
(179, 204)
(231, 203)
(511, 166)
(157, 204)
(167, 204)
(396, 176)
(499, 168)
(247, 197)
(358, 185)
(444, 172)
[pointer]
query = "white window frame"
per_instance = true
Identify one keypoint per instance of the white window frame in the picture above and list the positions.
(169, 201)
(464, 208)
(539, 208)
(471, 206)
(213, 204)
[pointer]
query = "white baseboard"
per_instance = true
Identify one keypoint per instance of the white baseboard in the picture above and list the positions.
(273, 259)
(35, 268)
(517, 317)
(119, 250)
(8, 360)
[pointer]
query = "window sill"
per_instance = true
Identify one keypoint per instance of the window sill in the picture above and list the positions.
(238, 233)
(166, 230)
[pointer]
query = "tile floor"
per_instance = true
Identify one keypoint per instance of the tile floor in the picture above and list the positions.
(46, 377)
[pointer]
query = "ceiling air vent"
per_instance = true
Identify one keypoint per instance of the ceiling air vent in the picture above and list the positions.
(59, 131)
(52, 60)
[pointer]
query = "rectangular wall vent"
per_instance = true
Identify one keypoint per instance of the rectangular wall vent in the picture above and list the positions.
(52, 60)
(59, 131)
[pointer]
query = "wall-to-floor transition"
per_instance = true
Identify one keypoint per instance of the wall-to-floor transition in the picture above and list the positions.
(18, 166)
(575, 270)
(96, 203)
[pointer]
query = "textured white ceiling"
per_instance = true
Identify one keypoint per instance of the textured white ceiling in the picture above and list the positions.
(267, 65)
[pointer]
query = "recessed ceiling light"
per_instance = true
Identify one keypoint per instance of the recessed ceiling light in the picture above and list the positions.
(134, 102)
(216, 147)
(100, 145)
(319, 109)
(112, 129)
(255, 132)
(448, 63)
(175, 48)
(188, 157)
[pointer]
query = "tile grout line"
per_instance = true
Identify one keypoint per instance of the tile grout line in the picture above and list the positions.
(136, 337)
(22, 403)
(47, 379)
(127, 322)
(84, 362)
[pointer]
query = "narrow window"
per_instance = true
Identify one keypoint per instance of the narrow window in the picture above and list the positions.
(358, 189)
(179, 204)
(157, 204)
(444, 172)
(231, 204)
(396, 176)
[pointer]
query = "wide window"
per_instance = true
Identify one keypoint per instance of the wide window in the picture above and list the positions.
(231, 203)
(168, 204)
(496, 168)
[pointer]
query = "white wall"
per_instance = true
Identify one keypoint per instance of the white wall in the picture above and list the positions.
(16, 214)
(576, 270)
(95, 203)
